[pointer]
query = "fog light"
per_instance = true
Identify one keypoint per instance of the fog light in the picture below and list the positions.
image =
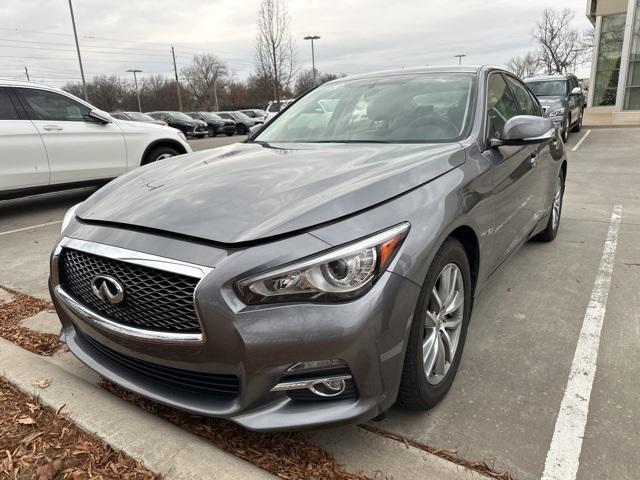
(329, 388)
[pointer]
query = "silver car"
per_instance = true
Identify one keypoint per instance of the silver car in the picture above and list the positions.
(324, 269)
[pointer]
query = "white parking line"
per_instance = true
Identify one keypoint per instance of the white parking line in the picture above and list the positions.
(581, 140)
(29, 228)
(563, 456)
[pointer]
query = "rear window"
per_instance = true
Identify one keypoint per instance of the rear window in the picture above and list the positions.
(548, 88)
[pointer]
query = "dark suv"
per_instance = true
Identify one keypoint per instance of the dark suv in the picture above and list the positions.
(215, 124)
(562, 99)
(183, 122)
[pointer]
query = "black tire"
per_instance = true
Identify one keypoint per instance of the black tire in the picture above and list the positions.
(211, 132)
(551, 230)
(159, 153)
(242, 130)
(201, 136)
(415, 392)
(578, 126)
(566, 125)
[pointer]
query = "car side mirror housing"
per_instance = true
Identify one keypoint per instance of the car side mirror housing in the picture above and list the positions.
(101, 116)
(253, 131)
(525, 130)
(576, 91)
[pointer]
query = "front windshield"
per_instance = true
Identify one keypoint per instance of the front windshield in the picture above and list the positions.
(548, 88)
(180, 116)
(240, 116)
(140, 117)
(389, 109)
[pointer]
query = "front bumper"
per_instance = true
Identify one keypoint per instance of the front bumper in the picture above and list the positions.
(258, 345)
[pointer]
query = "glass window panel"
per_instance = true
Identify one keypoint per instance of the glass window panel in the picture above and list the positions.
(609, 57)
(632, 90)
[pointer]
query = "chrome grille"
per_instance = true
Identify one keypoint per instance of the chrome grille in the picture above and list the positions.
(153, 300)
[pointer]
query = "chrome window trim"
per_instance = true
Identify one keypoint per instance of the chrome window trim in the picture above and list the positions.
(138, 258)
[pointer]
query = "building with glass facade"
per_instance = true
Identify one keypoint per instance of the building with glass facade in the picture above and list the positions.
(614, 85)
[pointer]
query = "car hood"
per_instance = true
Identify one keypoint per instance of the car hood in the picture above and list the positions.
(552, 102)
(250, 191)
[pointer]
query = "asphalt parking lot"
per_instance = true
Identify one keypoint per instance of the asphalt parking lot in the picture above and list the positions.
(506, 400)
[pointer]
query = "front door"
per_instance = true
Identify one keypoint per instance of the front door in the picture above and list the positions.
(79, 148)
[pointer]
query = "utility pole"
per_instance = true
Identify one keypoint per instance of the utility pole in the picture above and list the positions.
(175, 70)
(26, 71)
(75, 34)
(460, 57)
(135, 80)
(215, 94)
(313, 55)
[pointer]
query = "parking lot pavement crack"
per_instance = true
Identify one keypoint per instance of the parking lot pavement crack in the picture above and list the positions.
(449, 454)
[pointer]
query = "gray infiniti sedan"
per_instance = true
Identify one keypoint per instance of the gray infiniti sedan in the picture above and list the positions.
(324, 269)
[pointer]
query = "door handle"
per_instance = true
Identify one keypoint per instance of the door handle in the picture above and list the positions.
(52, 128)
(533, 161)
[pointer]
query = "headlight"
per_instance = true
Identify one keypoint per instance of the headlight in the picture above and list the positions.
(182, 135)
(69, 216)
(557, 113)
(339, 274)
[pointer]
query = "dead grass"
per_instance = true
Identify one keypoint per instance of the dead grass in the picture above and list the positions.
(287, 455)
(12, 313)
(38, 443)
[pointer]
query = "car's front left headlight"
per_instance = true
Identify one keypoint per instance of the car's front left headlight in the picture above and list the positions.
(557, 113)
(69, 216)
(342, 273)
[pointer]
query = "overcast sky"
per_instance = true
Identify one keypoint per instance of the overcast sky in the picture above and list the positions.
(357, 35)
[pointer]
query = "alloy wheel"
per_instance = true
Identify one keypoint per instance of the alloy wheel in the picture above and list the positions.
(443, 323)
(164, 156)
(557, 204)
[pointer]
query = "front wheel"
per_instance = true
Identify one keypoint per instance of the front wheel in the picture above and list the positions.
(439, 329)
(578, 125)
(553, 224)
(212, 132)
(565, 129)
(159, 153)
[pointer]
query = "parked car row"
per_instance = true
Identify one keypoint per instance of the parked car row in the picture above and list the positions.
(201, 124)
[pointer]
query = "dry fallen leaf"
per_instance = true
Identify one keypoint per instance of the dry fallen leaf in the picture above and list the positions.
(48, 471)
(42, 383)
(26, 420)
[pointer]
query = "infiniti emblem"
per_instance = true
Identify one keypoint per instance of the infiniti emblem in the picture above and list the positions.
(108, 289)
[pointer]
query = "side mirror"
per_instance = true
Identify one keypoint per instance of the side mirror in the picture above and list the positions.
(576, 91)
(102, 117)
(525, 130)
(253, 131)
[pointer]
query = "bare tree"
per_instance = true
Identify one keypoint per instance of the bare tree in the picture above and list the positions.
(306, 82)
(525, 66)
(561, 45)
(275, 48)
(206, 74)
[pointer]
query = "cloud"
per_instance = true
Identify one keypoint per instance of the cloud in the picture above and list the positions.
(357, 35)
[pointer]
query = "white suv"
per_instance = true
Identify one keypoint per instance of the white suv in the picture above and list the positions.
(51, 140)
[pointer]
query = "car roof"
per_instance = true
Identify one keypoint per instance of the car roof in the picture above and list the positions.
(547, 78)
(22, 83)
(416, 70)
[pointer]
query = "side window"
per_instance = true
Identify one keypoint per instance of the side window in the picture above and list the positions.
(525, 104)
(500, 106)
(7, 109)
(45, 105)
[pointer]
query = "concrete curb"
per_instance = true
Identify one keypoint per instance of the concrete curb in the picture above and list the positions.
(164, 448)
(381, 457)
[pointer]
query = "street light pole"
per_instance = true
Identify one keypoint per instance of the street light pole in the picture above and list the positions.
(313, 55)
(75, 34)
(135, 80)
(460, 57)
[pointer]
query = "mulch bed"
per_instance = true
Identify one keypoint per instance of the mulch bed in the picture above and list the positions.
(287, 455)
(12, 313)
(38, 443)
